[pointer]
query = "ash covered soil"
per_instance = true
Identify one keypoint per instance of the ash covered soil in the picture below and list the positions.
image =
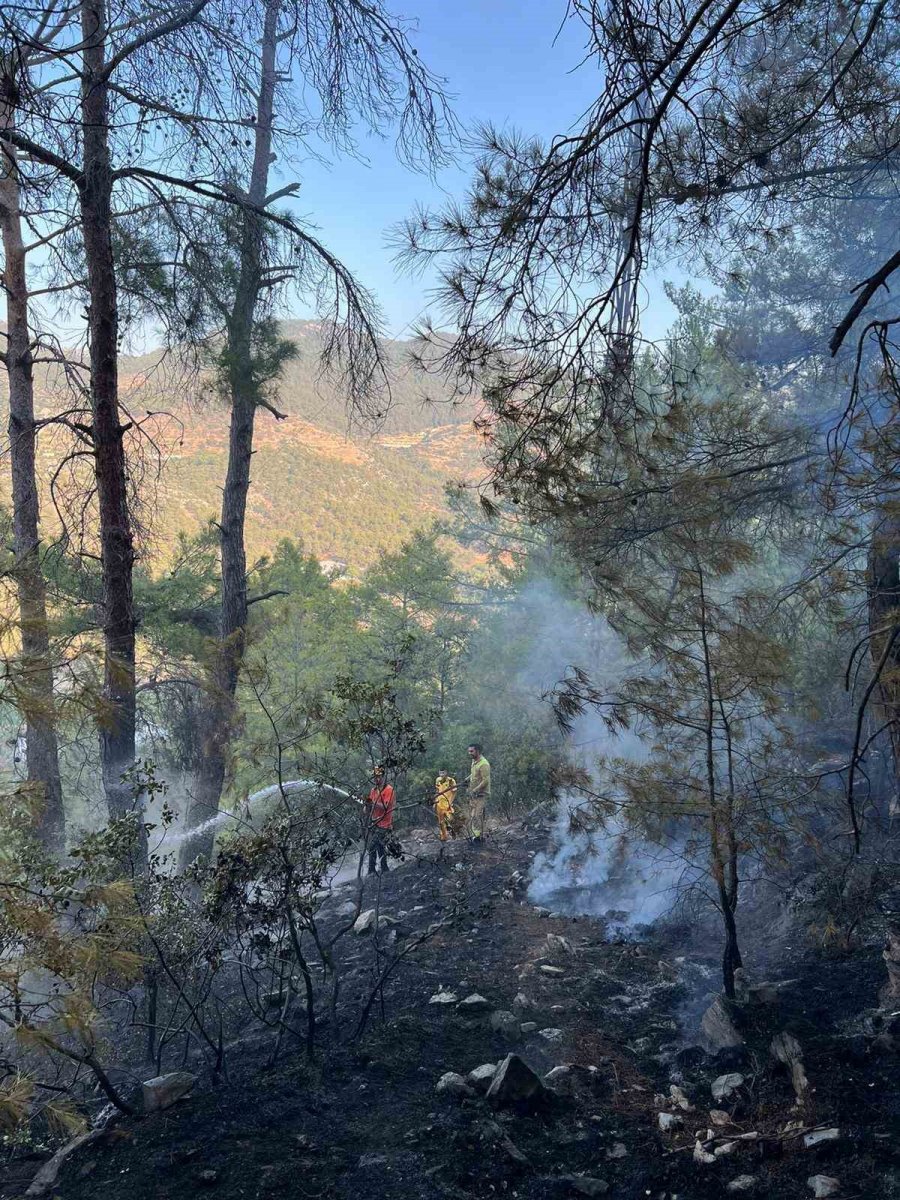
(364, 1119)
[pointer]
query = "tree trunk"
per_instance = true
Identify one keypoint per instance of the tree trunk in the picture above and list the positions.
(229, 654)
(884, 616)
(117, 721)
(35, 692)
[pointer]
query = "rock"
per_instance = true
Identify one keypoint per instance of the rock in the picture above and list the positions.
(512, 1151)
(482, 1076)
(726, 1085)
(557, 944)
(551, 1035)
(347, 909)
(718, 1117)
(521, 1003)
(514, 1083)
(505, 1023)
(763, 993)
(208, 1177)
(617, 1150)
(162, 1091)
(444, 998)
(743, 1183)
(570, 1078)
(702, 1156)
(817, 1137)
(785, 1049)
(717, 1028)
(528, 1026)
(367, 1161)
(474, 1004)
(452, 1084)
(741, 986)
(823, 1185)
(585, 1185)
(541, 912)
(547, 969)
(669, 1122)
(679, 1098)
(365, 922)
(725, 1149)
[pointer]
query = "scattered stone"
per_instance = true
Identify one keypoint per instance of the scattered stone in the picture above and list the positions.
(702, 1156)
(547, 969)
(482, 1076)
(474, 1004)
(725, 1149)
(717, 1028)
(453, 1084)
(727, 1085)
(823, 1185)
(521, 1003)
(208, 1177)
(818, 1136)
(719, 1117)
(585, 1185)
(528, 1026)
(617, 1150)
(669, 1122)
(551, 1035)
(743, 1183)
(505, 1023)
(444, 998)
(679, 1098)
(365, 922)
(557, 944)
(570, 1078)
(514, 1083)
(162, 1091)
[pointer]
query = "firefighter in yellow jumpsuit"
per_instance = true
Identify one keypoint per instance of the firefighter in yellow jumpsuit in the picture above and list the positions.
(444, 801)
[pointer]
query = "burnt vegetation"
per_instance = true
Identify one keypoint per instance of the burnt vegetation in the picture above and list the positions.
(663, 595)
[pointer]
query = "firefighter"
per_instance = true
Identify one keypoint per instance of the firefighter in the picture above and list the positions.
(380, 811)
(478, 792)
(444, 801)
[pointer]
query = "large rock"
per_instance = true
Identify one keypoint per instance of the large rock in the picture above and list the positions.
(444, 998)
(505, 1023)
(474, 1004)
(365, 922)
(452, 1084)
(717, 1028)
(514, 1083)
(823, 1185)
(726, 1085)
(482, 1077)
(163, 1090)
(669, 1122)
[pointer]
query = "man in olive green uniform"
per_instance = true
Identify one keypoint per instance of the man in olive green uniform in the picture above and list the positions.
(479, 792)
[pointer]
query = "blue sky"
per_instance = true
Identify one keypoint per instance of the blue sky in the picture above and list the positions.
(505, 61)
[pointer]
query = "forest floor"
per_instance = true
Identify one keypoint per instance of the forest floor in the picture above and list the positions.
(363, 1120)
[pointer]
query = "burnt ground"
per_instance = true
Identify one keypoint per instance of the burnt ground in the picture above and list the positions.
(363, 1120)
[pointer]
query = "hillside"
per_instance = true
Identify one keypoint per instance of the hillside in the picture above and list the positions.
(346, 492)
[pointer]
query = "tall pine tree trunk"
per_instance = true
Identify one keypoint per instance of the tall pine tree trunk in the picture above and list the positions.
(219, 721)
(884, 623)
(117, 721)
(35, 692)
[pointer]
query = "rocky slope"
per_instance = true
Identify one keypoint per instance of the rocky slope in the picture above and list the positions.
(607, 1092)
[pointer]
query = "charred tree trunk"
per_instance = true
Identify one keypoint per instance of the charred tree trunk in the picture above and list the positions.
(244, 396)
(117, 721)
(884, 619)
(35, 692)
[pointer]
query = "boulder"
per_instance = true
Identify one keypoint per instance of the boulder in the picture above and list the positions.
(474, 1004)
(669, 1122)
(505, 1023)
(717, 1028)
(586, 1185)
(163, 1090)
(521, 1003)
(452, 1084)
(818, 1137)
(365, 922)
(482, 1077)
(743, 1183)
(823, 1185)
(726, 1085)
(514, 1083)
(444, 998)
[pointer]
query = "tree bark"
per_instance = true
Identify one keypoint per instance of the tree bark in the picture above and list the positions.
(35, 692)
(219, 721)
(884, 616)
(117, 724)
